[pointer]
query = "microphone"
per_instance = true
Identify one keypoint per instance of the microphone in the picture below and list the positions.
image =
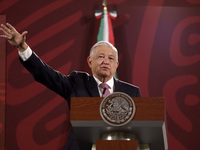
(104, 90)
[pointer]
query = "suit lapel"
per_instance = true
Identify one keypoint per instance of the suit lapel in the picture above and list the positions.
(116, 84)
(92, 87)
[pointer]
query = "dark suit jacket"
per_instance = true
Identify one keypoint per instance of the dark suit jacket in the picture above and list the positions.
(77, 84)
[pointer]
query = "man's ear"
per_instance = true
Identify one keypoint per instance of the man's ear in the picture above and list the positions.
(117, 64)
(89, 60)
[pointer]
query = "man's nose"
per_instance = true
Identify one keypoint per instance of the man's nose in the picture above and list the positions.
(106, 60)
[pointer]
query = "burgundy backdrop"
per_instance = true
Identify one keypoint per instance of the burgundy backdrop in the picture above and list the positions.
(158, 43)
(2, 85)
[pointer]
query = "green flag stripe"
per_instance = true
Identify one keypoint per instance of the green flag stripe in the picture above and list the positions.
(101, 29)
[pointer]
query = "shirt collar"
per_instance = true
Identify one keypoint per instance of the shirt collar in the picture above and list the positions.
(109, 82)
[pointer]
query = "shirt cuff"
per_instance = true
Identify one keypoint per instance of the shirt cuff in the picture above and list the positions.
(25, 54)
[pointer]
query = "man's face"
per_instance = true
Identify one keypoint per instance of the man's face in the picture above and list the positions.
(103, 63)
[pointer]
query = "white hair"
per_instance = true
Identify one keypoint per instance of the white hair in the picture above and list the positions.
(103, 43)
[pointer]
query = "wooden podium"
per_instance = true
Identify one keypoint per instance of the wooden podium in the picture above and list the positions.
(148, 124)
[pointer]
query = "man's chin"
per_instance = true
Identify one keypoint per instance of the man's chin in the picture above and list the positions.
(105, 75)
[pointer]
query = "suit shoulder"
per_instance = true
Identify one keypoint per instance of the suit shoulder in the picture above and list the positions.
(122, 83)
(80, 74)
(130, 89)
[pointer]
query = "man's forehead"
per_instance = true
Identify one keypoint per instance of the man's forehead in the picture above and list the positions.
(103, 48)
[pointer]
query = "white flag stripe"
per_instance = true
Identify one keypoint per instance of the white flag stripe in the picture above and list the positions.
(98, 14)
(113, 14)
(105, 35)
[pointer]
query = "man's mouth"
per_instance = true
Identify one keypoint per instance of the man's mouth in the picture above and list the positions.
(104, 67)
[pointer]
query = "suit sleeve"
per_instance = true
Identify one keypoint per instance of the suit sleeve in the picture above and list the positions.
(47, 76)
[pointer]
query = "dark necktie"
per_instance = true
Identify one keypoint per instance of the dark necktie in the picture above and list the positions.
(105, 89)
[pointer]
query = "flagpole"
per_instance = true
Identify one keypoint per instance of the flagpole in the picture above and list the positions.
(104, 6)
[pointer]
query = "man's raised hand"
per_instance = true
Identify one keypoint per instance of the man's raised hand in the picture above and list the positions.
(13, 37)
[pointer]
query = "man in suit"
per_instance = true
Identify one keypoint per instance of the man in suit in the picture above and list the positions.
(103, 61)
